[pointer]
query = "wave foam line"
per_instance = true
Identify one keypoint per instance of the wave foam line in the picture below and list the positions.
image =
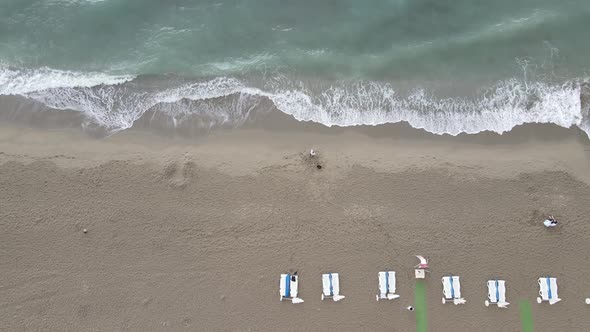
(22, 81)
(504, 106)
(115, 102)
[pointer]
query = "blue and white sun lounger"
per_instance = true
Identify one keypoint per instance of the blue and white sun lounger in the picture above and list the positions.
(387, 286)
(288, 288)
(497, 293)
(548, 290)
(331, 287)
(452, 290)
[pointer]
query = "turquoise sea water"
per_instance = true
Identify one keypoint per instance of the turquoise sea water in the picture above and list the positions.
(448, 66)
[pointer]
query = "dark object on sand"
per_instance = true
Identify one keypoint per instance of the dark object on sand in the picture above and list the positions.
(319, 166)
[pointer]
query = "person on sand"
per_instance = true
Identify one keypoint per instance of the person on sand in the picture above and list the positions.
(550, 222)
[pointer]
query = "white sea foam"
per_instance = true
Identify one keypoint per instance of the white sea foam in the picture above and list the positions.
(109, 103)
(233, 65)
(503, 107)
(116, 107)
(22, 81)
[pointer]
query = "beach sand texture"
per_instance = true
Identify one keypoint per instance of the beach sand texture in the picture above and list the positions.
(192, 235)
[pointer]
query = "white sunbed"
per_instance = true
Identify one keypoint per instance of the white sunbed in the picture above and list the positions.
(497, 293)
(452, 290)
(387, 285)
(331, 287)
(548, 290)
(288, 287)
(421, 269)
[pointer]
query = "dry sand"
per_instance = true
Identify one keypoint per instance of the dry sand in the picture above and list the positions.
(192, 235)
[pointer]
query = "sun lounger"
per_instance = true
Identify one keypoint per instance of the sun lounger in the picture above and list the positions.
(288, 286)
(387, 286)
(548, 290)
(452, 290)
(331, 287)
(497, 293)
(421, 269)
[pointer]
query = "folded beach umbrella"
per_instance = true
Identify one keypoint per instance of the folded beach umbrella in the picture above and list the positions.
(497, 293)
(288, 287)
(548, 290)
(423, 263)
(452, 290)
(331, 287)
(387, 285)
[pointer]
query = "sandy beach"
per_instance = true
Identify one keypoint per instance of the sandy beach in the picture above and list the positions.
(156, 171)
(192, 234)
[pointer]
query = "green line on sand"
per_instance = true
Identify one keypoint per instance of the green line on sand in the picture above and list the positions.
(420, 306)
(526, 317)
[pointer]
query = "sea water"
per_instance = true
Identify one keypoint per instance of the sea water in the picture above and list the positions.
(447, 66)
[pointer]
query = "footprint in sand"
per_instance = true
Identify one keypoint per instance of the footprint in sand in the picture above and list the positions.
(179, 175)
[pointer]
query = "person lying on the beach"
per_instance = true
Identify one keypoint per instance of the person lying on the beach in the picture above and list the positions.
(550, 222)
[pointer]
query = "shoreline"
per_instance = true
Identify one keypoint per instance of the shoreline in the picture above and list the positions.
(272, 139)
(20, 112)
(235, 106)
(193, 233)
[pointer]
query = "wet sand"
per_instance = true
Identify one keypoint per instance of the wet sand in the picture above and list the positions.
(193, 234)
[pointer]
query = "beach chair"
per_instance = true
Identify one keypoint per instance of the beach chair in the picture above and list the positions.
(548, 290)
(331, 287)
(288, 286)
(387, 286)
(452, 290)
(421, 269)
(497, 293)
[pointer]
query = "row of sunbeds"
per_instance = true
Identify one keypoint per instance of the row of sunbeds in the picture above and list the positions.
(288, 288)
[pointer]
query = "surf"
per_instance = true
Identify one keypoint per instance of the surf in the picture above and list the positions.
(115, 102)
